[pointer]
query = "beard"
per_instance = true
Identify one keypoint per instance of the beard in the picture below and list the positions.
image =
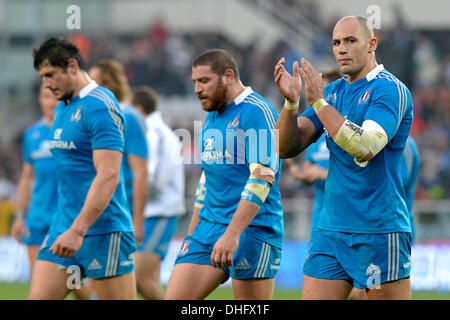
(217, 101)
(67, 96)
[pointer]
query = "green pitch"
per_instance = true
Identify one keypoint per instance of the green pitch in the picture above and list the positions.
(19, 291)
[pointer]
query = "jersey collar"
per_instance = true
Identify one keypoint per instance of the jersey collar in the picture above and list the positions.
(248, 91)
(374, 72)
(87, 88)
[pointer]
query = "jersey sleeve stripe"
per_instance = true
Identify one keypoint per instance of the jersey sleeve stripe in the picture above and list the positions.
(112, 108)
(267, 114)
(255, 101)
(403, 97)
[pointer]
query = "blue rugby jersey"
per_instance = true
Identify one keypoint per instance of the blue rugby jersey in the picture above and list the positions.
(44, 198)
(92, 120)
(367, 199)
(410, 169)
(241, 134)
(135, 144)
(318, 154)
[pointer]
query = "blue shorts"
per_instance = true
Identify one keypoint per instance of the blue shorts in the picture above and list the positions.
(364, 260)
(35, 237)
(158, 231)
(254, 259)
(100, 256)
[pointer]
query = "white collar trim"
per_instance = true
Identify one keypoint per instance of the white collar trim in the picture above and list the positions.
(248, 91)
(374, 72)
(87, 88)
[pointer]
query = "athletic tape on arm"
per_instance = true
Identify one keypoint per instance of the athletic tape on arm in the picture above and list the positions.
(201, 192)
(257, 189)
(359, 141)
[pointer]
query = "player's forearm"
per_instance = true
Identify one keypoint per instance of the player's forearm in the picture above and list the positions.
(322, 173)
(242, 217)
(24, 188)
(331, 119)
(194, 221)
(99, 195)
(140, 193)
(289, 138)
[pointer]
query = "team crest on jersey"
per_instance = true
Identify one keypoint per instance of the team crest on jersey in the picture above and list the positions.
(365, 97)
(76, 116)
(233, 124)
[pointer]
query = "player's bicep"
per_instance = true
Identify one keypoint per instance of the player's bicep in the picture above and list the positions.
(137, 164)
(388, 107)
(107, 163)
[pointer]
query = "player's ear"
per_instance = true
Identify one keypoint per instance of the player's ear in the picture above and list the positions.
(373, 43)
(229, 74)
(72, 66)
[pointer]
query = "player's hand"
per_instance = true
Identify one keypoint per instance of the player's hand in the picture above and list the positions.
(313, 82)
(310, 175)
(18, 229)
(224, 249)
(67, 244)
(289, 86)
(295, 171)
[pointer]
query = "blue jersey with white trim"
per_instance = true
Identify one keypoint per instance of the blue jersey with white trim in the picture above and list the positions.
(91, 120)
(241, 134)
(44, 199)
(367, 199)
(410, 169)
(135, 144)
(319, 155)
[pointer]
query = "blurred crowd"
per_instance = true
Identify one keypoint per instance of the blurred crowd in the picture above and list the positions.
(161, 58)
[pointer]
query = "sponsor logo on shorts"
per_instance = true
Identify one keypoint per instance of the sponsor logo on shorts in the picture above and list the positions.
(243, 265)
(276, 264)
(407, 264)
(129, 261)
(94, 265)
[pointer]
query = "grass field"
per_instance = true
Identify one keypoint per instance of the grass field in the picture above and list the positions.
(19, 291)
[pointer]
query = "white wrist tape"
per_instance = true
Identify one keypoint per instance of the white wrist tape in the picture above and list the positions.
(360, 141)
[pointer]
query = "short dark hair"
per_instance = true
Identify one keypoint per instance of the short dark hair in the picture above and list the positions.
(219, 60)
(146, 97)
(57, 52)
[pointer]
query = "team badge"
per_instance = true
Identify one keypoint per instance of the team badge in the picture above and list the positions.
(365, 97)
(76, 116)
(184, 248)
(233, 124)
